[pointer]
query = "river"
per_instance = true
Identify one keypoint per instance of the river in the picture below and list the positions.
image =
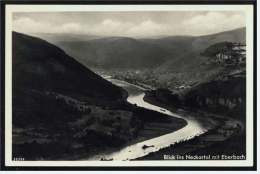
(135, 96)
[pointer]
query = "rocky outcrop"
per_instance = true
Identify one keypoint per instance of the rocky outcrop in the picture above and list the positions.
(225, 95)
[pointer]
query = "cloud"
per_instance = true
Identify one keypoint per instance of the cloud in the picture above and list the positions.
(149, 28)
(111, 27)
(70, 27)
(28, 25)
(111, 23)
(198, 24)
(114, 27)
(213, 22)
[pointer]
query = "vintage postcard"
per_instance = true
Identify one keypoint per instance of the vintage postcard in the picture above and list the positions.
(145, 85)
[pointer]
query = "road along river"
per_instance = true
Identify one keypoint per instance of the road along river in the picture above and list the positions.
(135, 96)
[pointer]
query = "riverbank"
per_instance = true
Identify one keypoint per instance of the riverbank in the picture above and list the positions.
(153, 124)
(226, 138)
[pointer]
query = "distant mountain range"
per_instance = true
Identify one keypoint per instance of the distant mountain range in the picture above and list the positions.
(115, 52)
(174, 53)
(64, 37)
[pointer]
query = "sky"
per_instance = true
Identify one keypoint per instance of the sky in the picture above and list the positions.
(129, 24)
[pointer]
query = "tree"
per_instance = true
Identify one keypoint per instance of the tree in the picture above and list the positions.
(226, 52)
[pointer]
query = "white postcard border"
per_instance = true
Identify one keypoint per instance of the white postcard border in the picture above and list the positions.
(248, 10)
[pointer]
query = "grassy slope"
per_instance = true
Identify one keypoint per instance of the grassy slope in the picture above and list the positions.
(38, 64)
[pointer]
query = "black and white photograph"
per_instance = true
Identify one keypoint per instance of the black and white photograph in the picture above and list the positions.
(136, 85)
